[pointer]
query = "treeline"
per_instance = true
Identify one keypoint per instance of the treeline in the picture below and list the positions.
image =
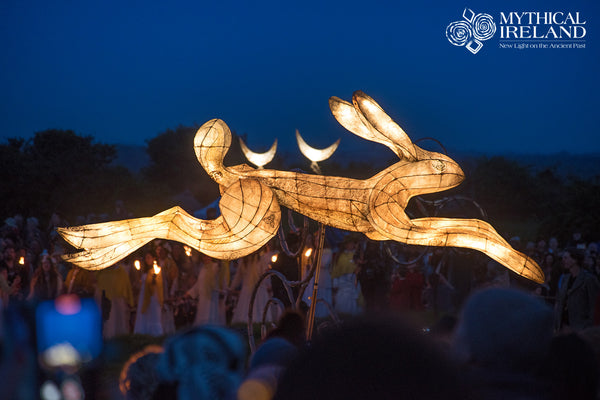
(61, 171)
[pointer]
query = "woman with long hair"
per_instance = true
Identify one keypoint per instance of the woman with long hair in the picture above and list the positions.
(46, 283)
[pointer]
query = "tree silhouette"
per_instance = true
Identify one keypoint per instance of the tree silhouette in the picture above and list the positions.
(58, 170)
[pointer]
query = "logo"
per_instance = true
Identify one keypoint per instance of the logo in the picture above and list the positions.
(471, 31)
(520, 30)
(542, 30)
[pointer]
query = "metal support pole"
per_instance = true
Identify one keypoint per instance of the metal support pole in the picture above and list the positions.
(313, 302)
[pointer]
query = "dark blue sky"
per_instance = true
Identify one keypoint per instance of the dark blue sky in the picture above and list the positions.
(125, 73)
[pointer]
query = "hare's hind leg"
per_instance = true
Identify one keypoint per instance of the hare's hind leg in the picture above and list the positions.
(250, 218)
(101, 235)
(106, 243)
(104, 257)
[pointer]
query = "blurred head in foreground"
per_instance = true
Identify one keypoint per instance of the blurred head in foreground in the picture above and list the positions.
(139, 379)
(206, 362)
(503, 330)
(370, 359)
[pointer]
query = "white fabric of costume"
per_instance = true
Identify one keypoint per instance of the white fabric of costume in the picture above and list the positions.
(150, 322)
(325, 285)
(249, 271)
(210, 306)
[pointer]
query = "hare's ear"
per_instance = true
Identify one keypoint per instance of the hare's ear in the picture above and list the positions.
(349, 118)
(388, 132)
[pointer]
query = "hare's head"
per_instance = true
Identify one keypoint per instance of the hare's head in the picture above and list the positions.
(365, 118)
(440, 168)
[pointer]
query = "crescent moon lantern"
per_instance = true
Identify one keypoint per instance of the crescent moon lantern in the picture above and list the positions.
(315, 155)
(259, 159)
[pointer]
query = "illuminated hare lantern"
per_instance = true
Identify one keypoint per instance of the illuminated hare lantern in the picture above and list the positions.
(250, 201)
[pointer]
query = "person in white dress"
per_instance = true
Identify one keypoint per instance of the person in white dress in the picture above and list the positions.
(114, 282)
(345, 284)
(324, 292)
(148, 319)
(249, 271)
(209, 291)
(170, 271)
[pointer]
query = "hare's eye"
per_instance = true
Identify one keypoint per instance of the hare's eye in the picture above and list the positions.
(438, 165)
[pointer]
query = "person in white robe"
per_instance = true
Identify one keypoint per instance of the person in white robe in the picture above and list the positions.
(114, 281)
(249, 271)
(209, 292)
(324, 290)
(345, 284)
(148, 319)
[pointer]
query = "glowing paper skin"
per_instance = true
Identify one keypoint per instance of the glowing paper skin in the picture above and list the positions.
(249, 217)
(251, 198)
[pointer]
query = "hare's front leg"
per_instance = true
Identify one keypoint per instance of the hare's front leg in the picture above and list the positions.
(479, 235)
(465, 233)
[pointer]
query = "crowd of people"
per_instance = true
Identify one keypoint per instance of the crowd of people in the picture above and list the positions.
(501, 346)
(492, 335)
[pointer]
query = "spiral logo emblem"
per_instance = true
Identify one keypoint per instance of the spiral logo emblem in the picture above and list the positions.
(471, 30)
(483, 27)
(459, 33)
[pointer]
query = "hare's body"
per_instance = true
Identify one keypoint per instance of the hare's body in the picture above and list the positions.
(251, 198)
